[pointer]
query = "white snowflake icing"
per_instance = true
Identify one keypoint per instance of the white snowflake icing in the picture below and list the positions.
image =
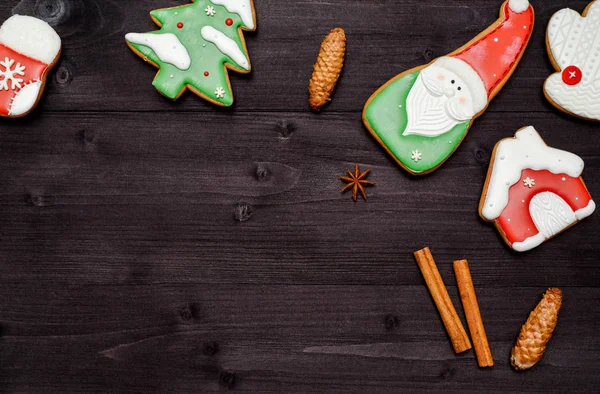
(7, 73)
(219, 92)
(210, 10)
(529, 182)
(416, 155)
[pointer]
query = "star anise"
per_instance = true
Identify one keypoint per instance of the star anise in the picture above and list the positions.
(356, 182)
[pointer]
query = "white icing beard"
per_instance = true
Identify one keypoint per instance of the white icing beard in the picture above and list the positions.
(438, 101)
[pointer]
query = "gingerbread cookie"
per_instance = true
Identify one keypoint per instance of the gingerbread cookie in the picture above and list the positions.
(196, 45)
(422, 115)
(533, 192)
(573, 43)
(29, 48)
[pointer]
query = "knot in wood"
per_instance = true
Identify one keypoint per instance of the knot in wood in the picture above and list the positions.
(391, 322)
(52, 11)
(88, 136)
(63, 74)
(428, 55)
(262, 172)
(242, 212)
(482, 156)
(210, 348)
(38, 201)
(285, 129)
(227, 379)
(186, 314)
(448, 373)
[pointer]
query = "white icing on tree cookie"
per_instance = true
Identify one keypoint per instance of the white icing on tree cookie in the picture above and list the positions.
(225, 45)
(167, 47)
(241, 7)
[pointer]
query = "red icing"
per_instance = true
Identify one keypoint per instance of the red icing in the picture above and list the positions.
(572, 75)
(229, 21)
(206, 73)
(180, 25)
(521, 226)
(34, 69)
(495, 54)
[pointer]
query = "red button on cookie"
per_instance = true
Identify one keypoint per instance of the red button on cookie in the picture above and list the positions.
(572, 75)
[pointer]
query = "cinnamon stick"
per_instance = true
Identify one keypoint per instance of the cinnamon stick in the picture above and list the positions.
(471, 307)
(433, 279)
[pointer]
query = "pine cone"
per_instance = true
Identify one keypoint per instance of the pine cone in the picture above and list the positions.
(327, 68)
(537, 331)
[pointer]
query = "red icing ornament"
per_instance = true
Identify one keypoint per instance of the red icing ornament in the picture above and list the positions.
(179, 25)
(229, 22)
(206, 73)
(572, 75)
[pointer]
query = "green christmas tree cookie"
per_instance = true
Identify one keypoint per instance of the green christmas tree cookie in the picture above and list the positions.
(195, 46)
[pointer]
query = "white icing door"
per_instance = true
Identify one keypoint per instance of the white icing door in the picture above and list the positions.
(551, 214)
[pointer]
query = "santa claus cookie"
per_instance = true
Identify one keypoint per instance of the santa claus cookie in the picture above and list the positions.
(29, 48)
(573, 43)
(422, 115)
(533, 192)
(196, 45)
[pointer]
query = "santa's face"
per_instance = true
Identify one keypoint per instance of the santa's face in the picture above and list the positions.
(438, 101)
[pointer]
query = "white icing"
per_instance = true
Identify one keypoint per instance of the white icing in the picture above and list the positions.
(470, 77)
(529, 243)
(241, 7)
(437, 102)
(31, 37)
(416, 155)
(526, 151)
(551, 214)
(210, 10)
(225, 45)
(219, 92)
(518, 6)
(10, 74)
(574, 40)
(167, 47)
(587, 211)
(25, 99)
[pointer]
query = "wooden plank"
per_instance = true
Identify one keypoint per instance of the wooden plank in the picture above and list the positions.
(184, 338)
(105, 192)
(384, 39)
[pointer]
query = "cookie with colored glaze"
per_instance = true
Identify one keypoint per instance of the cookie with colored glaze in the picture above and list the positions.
(573, 43)
(29, 48)
(196, 44)
(533, 192)
(422, 115)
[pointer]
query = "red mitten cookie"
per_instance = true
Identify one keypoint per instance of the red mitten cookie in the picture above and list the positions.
(29, 48)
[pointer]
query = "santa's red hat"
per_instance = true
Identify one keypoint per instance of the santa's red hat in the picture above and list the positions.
(487, 62)
(31, 37)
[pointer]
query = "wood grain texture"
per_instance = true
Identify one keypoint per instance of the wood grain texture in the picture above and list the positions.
(149, 246)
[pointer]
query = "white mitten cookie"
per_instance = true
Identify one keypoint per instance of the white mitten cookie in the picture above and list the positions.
(573, 43)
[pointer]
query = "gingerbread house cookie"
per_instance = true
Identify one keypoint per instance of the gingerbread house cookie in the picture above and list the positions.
(532, 191)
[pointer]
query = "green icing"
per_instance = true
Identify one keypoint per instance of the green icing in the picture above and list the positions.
(386, 116)
(205, 56)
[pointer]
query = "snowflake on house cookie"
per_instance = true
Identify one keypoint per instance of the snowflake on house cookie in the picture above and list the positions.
(8, 73)
(528, 182)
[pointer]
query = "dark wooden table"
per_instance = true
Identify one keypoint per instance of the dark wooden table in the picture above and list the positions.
(150, 246)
